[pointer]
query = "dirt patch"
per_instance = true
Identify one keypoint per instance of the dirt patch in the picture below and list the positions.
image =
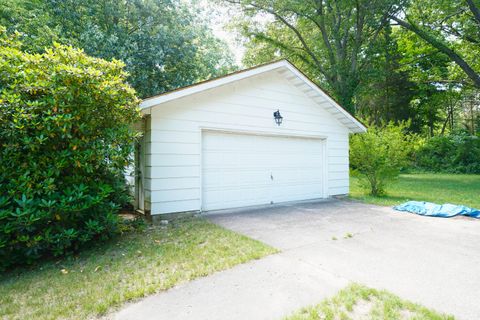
(406, 314)
(361, 310)
(128, 214)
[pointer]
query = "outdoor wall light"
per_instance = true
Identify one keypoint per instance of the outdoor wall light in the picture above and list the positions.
(278, 117)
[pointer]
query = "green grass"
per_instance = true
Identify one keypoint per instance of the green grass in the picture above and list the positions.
(359, 302)
(434, 187)
(127, 268)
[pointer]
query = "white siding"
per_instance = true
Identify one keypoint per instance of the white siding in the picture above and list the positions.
(174, 135)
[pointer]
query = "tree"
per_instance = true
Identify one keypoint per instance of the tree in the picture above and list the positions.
(378, 155)
(439, 85)
(385, 90)
(328, 38)
(471, 110)
(164, 44)
(450, 26)
(66, 136)
(31, 18)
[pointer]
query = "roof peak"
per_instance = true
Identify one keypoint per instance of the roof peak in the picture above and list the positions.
(347, 119)
(219, 77)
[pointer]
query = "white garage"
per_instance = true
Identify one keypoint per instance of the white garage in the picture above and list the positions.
(260, 136)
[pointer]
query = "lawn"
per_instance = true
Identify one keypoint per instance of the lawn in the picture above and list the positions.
(359, 302)
(127, 268)
(434, 187)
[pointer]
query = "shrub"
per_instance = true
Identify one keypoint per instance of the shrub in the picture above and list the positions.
(452, 153)
(378, 155)
(66, 133)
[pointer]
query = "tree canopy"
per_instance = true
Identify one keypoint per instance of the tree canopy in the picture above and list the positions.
(328, 38)
(451, 27)
(164, 44)
(386, 60)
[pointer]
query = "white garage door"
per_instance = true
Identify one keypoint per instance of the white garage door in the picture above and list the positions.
(242, 170)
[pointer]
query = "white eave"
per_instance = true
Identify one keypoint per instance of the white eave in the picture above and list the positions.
(284, 68)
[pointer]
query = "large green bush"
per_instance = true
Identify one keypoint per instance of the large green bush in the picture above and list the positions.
(66, 135)
(378, 155)
(452, 153)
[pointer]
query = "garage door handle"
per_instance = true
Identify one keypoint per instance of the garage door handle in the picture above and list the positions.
(271, 176)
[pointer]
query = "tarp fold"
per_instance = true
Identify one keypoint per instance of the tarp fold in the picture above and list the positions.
(437, 210)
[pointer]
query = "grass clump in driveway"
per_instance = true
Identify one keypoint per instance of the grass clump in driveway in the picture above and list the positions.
(126, 268)
(440, 188)
(359, 302)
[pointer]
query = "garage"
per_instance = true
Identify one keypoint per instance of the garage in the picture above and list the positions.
(258, 136)
(246, 169)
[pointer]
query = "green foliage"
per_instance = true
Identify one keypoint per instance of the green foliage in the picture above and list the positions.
(451, 28)
(32, 20)
(164, 44)
(327, 39)
(66, 135)
(374, 67)
(378, 155)
(451, 153)
(386, 90)
(437, 98)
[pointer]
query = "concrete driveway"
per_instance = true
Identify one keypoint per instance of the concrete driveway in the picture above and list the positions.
(431, 261)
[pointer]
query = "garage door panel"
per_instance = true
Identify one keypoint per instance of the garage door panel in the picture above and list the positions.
(308, 174)
(224, 178)
(238, 197)
(216, 160)
(289, 192)
(213, 159)
(240, 169)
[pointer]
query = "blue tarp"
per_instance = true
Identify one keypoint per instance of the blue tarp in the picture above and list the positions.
(437, 210)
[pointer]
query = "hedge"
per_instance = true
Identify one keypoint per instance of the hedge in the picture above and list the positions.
(66, 135)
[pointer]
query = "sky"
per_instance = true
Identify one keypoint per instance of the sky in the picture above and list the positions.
(220, 16)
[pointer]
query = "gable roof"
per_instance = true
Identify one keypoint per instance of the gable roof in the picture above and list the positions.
(285, 68)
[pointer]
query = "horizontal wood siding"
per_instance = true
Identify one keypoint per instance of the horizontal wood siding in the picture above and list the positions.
(173, 166)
